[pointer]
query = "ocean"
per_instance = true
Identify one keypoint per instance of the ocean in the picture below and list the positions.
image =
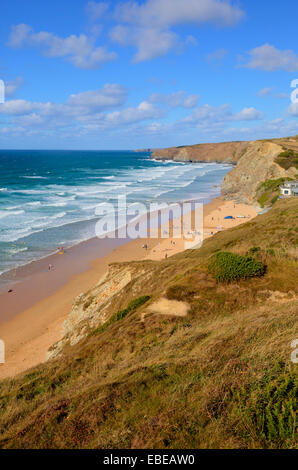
(48, 198)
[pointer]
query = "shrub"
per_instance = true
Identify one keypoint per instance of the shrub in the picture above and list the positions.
(263, 199)
(228, 267)
(273, 200)
(269, 190)
(287, 159)
(272, 185)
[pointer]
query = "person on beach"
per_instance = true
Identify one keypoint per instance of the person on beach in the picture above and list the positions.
(50, 267)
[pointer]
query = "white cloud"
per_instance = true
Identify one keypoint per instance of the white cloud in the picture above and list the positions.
(143, 111)
(111, 95)
(293, 109)
(78, 50)
(175, 100)
(89, 102)
(150, 42)
(265, 91)
(20, 107)
(86, 111)
(269, 58)
(12, 86)
(19, 33)
(247, 114)
(96, 10)
(218, 115)
(166, 13)
(147, 26)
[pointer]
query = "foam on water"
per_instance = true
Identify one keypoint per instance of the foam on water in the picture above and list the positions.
(35, 185)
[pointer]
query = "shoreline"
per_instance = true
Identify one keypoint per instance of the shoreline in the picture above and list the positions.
(36, 309)
(17, 274)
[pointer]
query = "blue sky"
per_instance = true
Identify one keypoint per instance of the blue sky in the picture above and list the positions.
(152, 73)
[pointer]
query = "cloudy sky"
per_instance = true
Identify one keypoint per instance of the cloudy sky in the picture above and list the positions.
(152, 73)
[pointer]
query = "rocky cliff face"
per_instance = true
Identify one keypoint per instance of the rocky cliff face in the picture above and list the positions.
(93, 308)
(254, 163)
(254, 167)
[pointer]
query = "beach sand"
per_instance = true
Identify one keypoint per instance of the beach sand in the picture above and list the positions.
(31, 316)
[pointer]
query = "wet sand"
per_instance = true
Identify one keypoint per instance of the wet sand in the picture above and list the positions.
(31, 316)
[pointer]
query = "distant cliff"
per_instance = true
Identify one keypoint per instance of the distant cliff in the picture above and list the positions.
(255, 163)
(229, 152)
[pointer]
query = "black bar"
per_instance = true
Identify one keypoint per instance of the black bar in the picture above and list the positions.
(147, 458)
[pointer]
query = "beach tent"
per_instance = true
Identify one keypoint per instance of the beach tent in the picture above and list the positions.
(229, 217)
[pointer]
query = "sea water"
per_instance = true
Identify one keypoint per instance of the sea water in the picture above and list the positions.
(48, 198)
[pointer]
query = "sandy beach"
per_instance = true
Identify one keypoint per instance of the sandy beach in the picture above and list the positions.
(31, 316)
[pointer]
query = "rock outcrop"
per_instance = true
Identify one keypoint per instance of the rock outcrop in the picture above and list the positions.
(255, 163)
(93, 308)
(254, 167)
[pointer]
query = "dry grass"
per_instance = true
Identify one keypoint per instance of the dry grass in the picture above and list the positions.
(205, 380)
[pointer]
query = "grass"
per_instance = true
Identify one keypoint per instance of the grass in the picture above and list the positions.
(221, 377)
(268, 191)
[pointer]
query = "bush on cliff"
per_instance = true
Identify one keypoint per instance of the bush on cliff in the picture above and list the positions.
(287, 159)
(269, 190)
(228, 267)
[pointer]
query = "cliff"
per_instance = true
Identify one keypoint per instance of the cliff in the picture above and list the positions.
(160, 355)
(256, 166)
(167, 355)
(255, 163)
(226, 152)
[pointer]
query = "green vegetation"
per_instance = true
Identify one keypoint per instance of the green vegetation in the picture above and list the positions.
(287, 159)
(221, 377)
(268, 191)
(132, 307)
(228, 267)
(269, 407)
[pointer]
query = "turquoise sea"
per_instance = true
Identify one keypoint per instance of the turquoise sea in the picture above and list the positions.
(48, 198)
